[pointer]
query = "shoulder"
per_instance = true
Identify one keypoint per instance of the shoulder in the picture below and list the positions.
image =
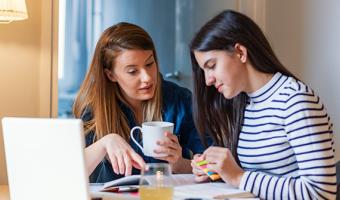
(87, 116)
(295, 91)
(172, 91)
(176, 99)
(298, 100)
(293, 85)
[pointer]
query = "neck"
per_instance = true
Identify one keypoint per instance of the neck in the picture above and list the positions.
(137, 109)
(257, 79)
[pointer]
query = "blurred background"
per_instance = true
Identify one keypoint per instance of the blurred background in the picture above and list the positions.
(171, 25)
(44, 58)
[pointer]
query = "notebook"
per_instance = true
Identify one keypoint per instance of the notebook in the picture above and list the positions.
(45, 159)
(133, 180)
(185, 187)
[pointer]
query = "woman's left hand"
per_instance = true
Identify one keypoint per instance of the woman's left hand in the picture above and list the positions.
(222, 161)
(171, 147)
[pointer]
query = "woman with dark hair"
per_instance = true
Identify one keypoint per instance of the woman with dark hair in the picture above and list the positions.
(122, 89)
(274, 137)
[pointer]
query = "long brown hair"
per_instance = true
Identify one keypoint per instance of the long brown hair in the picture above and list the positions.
(220, 117)
(102, 96)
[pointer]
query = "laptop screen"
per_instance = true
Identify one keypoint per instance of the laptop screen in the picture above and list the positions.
(45, 158)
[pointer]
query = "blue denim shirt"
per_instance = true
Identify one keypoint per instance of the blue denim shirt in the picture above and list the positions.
(177, 108)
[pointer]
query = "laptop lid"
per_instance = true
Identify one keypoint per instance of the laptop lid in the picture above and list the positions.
(45, 158)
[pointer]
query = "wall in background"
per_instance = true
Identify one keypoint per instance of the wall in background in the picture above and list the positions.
(305, 36)
(25, 69)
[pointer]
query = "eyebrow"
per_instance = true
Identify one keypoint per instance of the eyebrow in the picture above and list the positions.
(144, 61)
(149, 57)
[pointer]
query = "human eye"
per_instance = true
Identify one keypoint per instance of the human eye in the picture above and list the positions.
(150, 64)
(211, 66)
(132, 71)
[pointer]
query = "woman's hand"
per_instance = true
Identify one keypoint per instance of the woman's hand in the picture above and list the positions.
(222, 161)
(200, 176)
(121, 155)
(171, 147)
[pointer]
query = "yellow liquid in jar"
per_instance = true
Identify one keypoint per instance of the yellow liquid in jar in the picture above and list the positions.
(155, 193)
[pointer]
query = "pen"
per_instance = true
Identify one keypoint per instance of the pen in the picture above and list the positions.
(131, 188)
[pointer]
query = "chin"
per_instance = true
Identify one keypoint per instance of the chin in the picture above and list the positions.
(145, 97)
(229, 95)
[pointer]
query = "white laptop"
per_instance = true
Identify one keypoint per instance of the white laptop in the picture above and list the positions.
(45, 159)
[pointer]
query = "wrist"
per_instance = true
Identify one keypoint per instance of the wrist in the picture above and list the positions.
(237, 179)
(175, 167)
(105, 141)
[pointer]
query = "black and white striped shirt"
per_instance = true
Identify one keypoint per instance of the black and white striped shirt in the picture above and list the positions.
(286, 143)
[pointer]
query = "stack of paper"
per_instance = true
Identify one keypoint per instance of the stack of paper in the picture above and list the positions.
(210, 191)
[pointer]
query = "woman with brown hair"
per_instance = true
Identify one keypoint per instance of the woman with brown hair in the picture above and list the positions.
(122, 89)
(274, 135)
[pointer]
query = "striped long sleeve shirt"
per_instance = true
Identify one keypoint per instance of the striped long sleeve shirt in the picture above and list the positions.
(286, 143)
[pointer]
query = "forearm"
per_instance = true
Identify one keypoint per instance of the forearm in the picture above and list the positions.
(273, 187)
(182, 166)
(94, 154)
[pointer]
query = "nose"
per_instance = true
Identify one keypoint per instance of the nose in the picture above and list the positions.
(209, 78)
(145, 76)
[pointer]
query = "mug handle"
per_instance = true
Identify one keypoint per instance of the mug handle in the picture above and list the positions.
(133, 139)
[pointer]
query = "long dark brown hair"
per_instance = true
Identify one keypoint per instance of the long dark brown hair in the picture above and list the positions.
(222, 118)
(101, 95)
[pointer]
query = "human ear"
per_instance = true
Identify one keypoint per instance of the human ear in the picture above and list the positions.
(241, 52)
(110, 75)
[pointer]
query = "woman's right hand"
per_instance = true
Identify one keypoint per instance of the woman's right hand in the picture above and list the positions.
(200, 176)
(121, 155)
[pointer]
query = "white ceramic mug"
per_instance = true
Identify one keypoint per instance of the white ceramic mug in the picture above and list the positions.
(152, 132)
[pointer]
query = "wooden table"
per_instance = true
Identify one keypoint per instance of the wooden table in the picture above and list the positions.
(4, 193)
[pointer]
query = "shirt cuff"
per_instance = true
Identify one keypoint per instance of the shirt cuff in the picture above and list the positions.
(244, 179)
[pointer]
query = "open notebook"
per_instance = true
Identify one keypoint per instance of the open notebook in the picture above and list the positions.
(177, 179)
(185, 187)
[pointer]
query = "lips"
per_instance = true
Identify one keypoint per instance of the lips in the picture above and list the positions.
(219, 88)
(146, 87)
